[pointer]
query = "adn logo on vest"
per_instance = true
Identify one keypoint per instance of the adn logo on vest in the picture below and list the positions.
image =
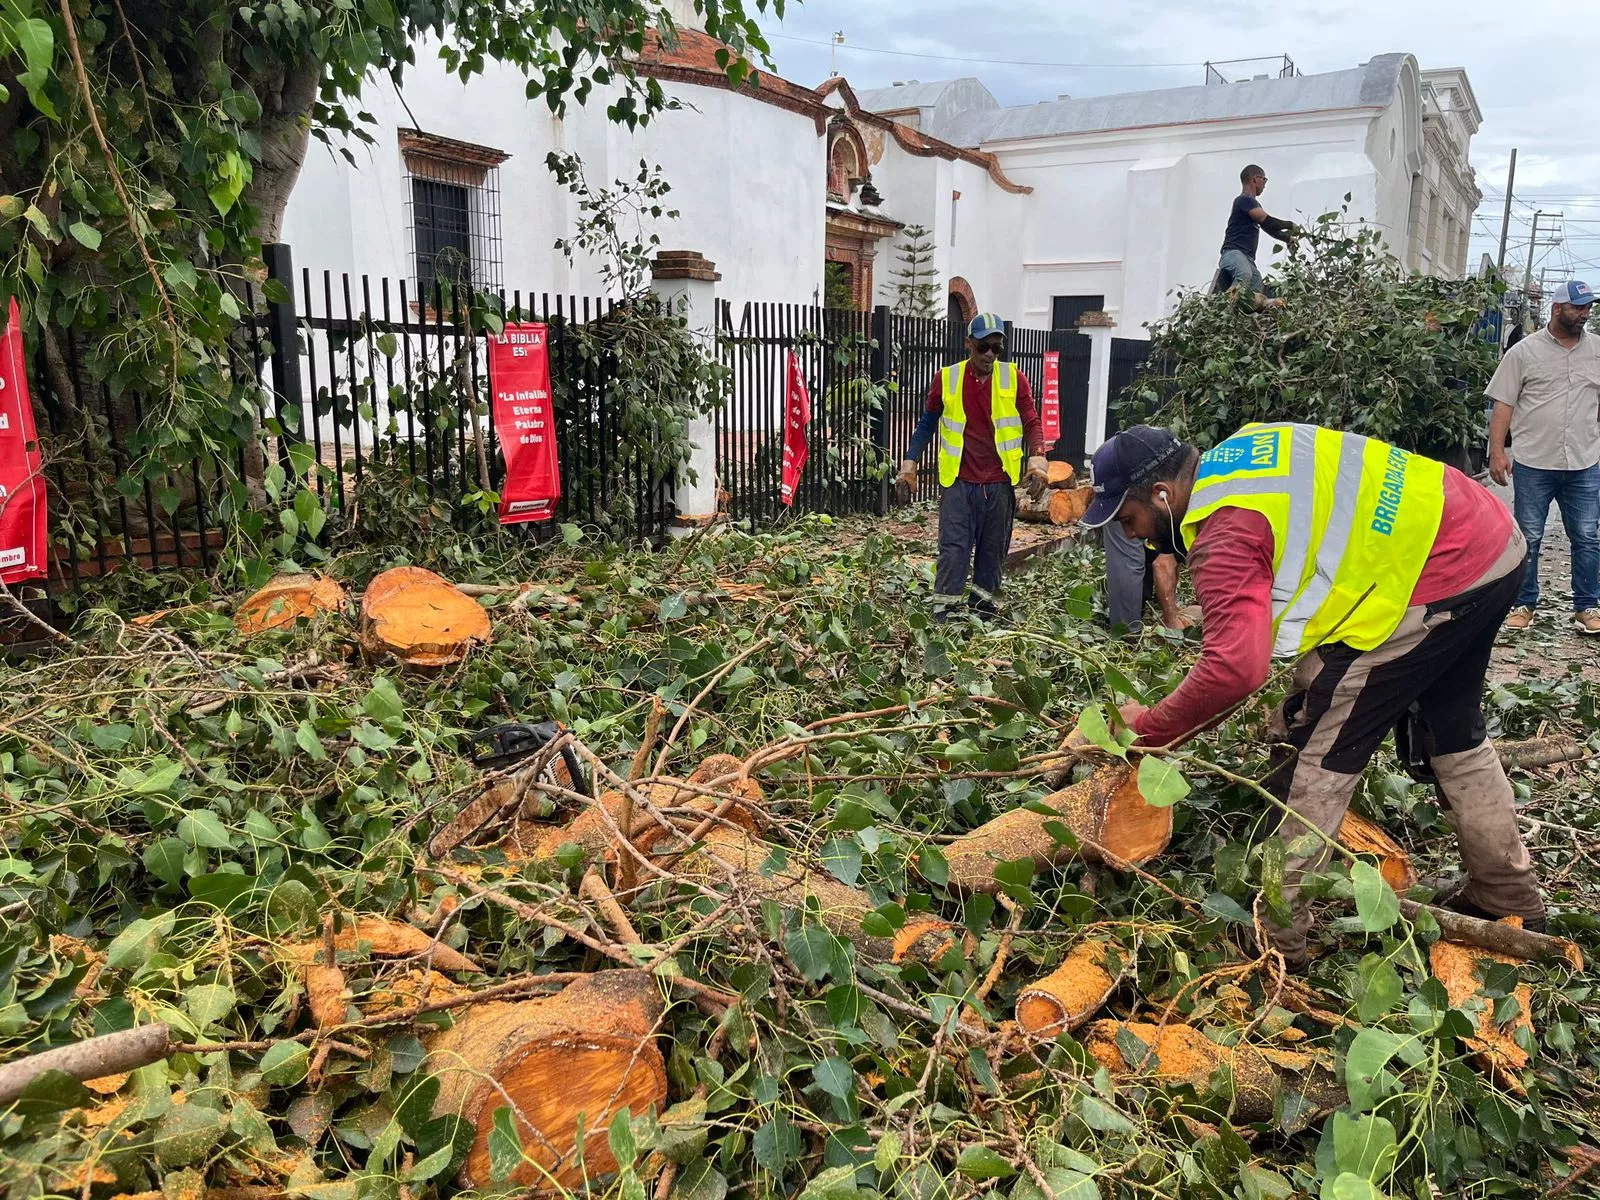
(1394, 485)
(1254, 452)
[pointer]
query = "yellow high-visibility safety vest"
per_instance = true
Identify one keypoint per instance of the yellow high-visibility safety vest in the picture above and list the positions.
(1002, 407)
(1353, 521)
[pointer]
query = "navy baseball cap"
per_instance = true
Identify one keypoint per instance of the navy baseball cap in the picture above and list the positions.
(1575, 292)
(985, 325)
(1128, 460)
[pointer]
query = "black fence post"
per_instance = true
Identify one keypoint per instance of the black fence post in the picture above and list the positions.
(882, 369)
(284, 334)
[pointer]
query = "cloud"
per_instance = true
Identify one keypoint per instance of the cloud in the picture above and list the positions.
(1529, 66)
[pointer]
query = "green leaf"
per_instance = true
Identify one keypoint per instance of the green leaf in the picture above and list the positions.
(1262, 1183)
(1376, 903)
(1092, 728)
(415, 1108)
(1226, 908)
(673, 607)
(435, 1164)
(620, 1139)
(1160, 782)
(52, 1092)
(208, 1003)
(164, 860)
(203, 828)
(86, 236)
(158, 780)
(382, 702)
(138, 941)
(932, 865)
(1380, 988)
(980, 1162)
(700, 1181)
(842, 857)
(187, 1134)
(776, 1144)
(1368, 1055)
(1362, 1146)
(284, 1064)
(814, 951)
(835, 1077)
(505, 1145)
(1354, 1187)
(1101, 1117)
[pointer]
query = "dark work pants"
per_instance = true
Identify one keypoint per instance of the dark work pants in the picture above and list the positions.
(1343, 702)
(974, 536)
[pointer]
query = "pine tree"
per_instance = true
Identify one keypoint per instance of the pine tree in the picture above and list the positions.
(917, 283)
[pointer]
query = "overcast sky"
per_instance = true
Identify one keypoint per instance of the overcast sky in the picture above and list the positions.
(1532, 66)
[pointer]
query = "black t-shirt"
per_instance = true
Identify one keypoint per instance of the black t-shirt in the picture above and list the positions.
(1243, 233)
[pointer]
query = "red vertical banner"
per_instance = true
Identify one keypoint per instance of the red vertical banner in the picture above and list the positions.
(1050, 403)
(23, 537)
(524, 419)
(796, 417)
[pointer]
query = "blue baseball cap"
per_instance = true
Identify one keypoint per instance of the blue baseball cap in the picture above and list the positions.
(1127, 460)
(985, 325)
(1574, 292)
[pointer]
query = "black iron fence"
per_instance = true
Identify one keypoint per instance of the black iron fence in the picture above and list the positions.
(362, 389)
(366, 393)
(868, 375)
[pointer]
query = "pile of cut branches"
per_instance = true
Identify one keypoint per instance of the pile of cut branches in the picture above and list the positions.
(784, 905)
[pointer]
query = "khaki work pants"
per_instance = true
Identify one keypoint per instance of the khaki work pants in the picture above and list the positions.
(1341, 705)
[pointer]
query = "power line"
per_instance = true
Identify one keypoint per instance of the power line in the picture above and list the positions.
(993, 62)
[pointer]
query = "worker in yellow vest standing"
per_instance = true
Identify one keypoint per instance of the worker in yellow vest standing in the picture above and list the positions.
(983, 411)
(1385, 576)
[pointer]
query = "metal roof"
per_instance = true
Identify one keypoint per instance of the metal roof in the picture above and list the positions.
(1371, 85)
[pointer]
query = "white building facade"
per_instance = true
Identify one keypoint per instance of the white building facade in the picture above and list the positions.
(1039, 212)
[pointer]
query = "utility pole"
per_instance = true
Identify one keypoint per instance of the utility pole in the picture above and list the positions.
(1505, 221)
(1533, 246)
(833, 53)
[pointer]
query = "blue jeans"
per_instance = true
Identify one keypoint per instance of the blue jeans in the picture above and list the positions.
(1578, 494)
(1238, 267)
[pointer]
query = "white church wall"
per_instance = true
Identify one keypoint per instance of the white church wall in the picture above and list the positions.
(748, 179)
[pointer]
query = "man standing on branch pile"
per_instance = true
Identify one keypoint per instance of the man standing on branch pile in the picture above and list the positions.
(983, 410)
(1245, 223)
(1547, 396)
(1386, 576)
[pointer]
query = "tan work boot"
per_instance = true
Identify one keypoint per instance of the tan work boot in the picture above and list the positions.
(1519, 617)
(1587, 621)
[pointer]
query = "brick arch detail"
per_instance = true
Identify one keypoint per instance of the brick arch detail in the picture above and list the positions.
(962, 291)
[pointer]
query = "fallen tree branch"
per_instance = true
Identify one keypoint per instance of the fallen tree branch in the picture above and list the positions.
(1497, 936)
(93, 1058)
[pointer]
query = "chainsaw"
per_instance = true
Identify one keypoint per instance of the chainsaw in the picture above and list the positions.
(504, 746)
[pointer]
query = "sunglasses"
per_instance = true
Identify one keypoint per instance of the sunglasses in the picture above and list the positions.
(988, 348)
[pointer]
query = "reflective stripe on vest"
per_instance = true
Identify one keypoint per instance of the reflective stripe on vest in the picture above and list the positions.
(1353, 522)
(1002, 410)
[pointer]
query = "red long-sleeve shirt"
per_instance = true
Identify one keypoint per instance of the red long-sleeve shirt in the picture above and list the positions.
(980, 461)
(1231, 566)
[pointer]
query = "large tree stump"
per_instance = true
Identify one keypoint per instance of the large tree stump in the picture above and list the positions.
(1061, 474)
(420, 618)
(1183, 1054)
(1067, 997)
(1361, 836)
(285, 600)
(1495, 1046)
(1106, 812)
(1057, 506)
(577, 1057)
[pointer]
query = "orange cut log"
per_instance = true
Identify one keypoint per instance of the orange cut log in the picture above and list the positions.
(420, 618)
(385, 938)
(1061, 474)
(285, 600)
(1183, 1054)
(560, 1063)
(1495, 1046)
(594, 830)
(1056, 507)
(1361, 836)
(1106, 810)
(1071, 994)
